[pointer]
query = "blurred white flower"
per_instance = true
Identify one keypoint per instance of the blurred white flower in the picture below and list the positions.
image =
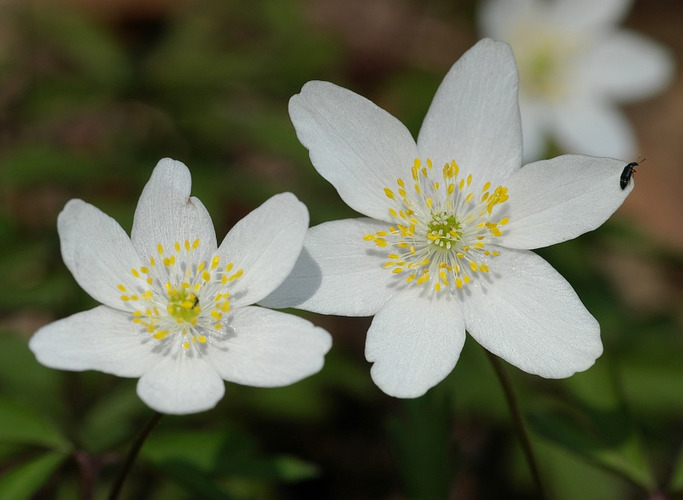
(450, 219)
(575, 66)
(176, 308)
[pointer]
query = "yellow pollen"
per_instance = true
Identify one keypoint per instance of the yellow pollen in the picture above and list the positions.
(236, 275)
(189, 301)
(440, 228)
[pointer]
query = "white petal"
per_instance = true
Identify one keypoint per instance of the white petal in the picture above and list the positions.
(531, 317)
(338, 272)
(265, 245)
(180, 384)
(97, 251)
(270, 348)
(101, 339)
(167, 214)
(587, 16)
(499, 18)
(474, 117)
(357, 146)
(593, 127)
(559, 199)
(626, 66)
(414, 342)
(534, 128)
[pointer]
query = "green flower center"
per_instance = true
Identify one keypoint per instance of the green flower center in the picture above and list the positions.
(543, 74)
(183, 305)
(441, 226)
(164, 297)
(444, 230)
(545, 62)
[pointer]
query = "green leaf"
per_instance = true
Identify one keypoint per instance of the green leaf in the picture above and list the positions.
(676, 481)
(421, 438)
(652, 376)
(23, 480)
(200, 483)
(561, 468)
(112, 419)
(220, 464)
(605, 437)
(29, 165)
(23, 379)
(89, 47)
(277, 468)
(197, 448)
(226, 452)
(23, 425)
(474, 387)
(292, 469)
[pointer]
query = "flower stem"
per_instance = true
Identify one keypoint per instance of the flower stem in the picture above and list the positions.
(133, 453)
(518, 422)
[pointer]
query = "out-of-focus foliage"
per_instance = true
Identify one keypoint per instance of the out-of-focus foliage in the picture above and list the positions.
(92, 97)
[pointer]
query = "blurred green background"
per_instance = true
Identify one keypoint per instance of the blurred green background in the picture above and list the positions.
(93, 93)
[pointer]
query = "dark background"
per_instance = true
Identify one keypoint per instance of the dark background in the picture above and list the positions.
(93, 93)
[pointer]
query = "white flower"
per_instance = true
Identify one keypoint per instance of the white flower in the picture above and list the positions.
(176, 308)
(444, 248)
(574, 65)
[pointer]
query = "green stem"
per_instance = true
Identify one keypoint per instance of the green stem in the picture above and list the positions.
(518, 422)
(133, 453)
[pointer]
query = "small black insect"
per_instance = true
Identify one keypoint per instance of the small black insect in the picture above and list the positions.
(627, 173)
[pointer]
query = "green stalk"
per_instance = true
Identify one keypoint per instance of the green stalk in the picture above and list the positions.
(133, 453)
(518, 423)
